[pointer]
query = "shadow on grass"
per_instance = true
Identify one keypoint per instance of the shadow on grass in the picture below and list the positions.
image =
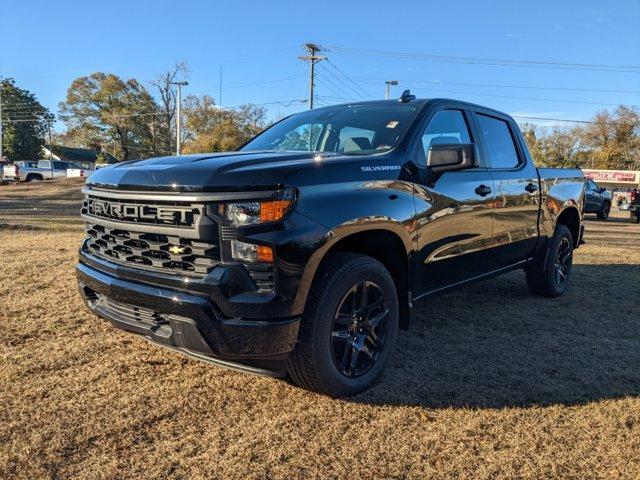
(493, 344)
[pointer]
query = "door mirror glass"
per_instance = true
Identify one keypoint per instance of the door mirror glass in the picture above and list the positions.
(602, 189)
(446, 157)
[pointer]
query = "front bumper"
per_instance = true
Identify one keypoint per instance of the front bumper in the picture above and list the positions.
(189, 322)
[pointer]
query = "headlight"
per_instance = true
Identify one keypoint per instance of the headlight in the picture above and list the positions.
(252, 213)
(248, 213)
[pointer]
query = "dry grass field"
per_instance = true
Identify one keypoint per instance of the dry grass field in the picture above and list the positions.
(491, 382)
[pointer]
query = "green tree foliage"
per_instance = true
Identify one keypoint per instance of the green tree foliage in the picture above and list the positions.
(24, 122)
(102, 108)
(211, 129)
(614, 138)
(611, 140)
(105, 110)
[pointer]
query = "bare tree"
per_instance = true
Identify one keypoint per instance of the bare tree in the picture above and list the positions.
(164, 128)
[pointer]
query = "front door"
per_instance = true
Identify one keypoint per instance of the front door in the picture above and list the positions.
(592, 197)
(454, 210)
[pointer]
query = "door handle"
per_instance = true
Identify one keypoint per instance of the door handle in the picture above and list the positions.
(483, 190)
(532, 187)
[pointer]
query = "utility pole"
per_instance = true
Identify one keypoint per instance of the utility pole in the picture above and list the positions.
(389, 83)
(178, 107)
(312, 58)
(220, 89)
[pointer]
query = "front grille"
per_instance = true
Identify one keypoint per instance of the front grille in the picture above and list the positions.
(127, 312)
(152, 250)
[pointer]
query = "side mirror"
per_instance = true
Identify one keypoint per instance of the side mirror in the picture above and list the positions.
(602, 189)
(458, 156)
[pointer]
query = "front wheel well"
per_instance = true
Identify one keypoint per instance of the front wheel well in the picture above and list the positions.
(386, 247)
(571, 219)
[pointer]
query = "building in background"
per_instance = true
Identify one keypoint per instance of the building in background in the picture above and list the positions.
(619, 182)
(83, 157)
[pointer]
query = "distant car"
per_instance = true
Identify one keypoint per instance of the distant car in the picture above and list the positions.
(597, 200)
(43, 170)
(10, 173)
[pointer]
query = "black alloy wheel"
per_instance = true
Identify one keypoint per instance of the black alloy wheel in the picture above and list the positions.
(562, 264)
(549, 274)
(349, 327)
(359, 329)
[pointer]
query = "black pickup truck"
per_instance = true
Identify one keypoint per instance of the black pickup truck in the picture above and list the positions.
(305, 251)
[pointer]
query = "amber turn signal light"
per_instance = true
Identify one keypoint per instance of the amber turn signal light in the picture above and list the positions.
(274, 210)
(265, 254)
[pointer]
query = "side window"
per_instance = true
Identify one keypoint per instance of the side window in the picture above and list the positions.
(591, 185)
(498, 142)
(59, 165)
(445, 128)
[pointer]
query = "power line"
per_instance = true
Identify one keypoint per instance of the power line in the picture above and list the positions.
(344, 87)
(328, 87)
(490, 61)
(240, 85)
(366, 94)
(566, 120)
(343, 93)
(522, 98)
(527, 87)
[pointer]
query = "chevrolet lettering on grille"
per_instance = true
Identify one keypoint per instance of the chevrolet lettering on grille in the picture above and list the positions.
(141, 213)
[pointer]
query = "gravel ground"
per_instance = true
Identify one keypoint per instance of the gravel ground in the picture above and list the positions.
(490, 382)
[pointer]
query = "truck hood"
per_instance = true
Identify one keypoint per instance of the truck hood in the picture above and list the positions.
(235, 171)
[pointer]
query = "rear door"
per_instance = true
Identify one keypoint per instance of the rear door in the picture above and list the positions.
(515, 228)
(454, 209)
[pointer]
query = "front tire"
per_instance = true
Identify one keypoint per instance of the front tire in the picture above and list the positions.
(603, 214)
(349, 327)
(551, 279)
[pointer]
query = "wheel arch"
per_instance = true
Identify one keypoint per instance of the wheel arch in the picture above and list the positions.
(37, 176)
(570, 217)
(385, 244)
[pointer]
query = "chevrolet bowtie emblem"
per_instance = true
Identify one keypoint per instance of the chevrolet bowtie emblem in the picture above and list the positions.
(176, 249)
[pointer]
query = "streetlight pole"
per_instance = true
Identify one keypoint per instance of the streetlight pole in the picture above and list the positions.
(178, 112)
(389, 83)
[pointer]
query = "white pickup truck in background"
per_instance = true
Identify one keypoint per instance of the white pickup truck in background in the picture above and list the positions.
(41, 170)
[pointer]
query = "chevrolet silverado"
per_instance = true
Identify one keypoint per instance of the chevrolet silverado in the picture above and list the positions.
(303, 253)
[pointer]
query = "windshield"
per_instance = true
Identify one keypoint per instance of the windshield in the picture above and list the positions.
(347, 129)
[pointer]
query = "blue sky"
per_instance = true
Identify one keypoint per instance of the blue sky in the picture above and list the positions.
(46, 44)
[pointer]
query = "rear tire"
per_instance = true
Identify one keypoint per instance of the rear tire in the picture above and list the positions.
(551, 278)
(603, 214)
(345, 343)
(34, 177)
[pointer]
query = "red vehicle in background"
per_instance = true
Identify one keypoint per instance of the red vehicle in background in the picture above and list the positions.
(634, 206)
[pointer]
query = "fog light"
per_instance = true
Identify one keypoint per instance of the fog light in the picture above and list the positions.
(249, 252)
